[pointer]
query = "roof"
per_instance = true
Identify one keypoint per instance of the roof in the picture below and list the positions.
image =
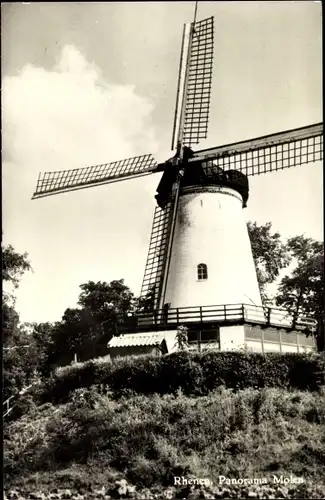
(137, 339)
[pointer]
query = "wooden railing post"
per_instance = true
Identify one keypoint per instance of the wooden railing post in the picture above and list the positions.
(199, 339)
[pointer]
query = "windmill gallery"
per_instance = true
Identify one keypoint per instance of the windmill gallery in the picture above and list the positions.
(200, 271)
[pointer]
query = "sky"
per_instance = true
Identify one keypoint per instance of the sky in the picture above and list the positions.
(89, 83)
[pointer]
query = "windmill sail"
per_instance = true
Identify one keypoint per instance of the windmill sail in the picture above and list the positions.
(268, 153)
(194, 84)
(199, 83)
(155, 265)
(190, 125)
(69, 180)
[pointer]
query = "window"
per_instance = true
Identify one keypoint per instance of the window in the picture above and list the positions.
(202, 272)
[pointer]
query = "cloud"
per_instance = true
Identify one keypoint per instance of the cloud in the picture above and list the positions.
(66, 118)
(72, 109)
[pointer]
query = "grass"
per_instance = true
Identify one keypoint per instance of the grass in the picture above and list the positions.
(94, 439)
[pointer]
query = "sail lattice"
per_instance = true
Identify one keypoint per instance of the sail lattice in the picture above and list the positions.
(156, 260)
(198, 93)
(69, 180)
(268, 153)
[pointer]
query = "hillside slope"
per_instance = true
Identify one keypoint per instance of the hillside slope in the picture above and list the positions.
(133, 445)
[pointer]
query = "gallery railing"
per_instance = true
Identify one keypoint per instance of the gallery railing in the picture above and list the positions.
(218, 314)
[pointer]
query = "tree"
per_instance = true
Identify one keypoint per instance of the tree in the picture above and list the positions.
(41, 346)
(303, 291)
(14, 265)
(107, 305)
(146, 303)
(86, 330)
(76, 334)
(270, 254)
(10, 324)
(18, 367)
(21, 362)
(106, 300)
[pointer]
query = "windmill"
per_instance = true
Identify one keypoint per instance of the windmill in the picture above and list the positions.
(199, 251)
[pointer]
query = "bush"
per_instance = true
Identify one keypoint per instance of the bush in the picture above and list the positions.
(149, 440)
(193, 373)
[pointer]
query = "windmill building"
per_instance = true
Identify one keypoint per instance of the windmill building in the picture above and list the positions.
(200, 271)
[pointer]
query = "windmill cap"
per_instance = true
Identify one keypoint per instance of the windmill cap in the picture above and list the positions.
(207, 173)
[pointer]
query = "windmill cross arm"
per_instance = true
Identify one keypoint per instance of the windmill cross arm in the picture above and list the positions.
(50, 183)
(268, 153)
(263, 141)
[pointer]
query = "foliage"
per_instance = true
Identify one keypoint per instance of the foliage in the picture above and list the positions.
(25, 357)
(10, 324)
(303, 291)
(14, 265)
(85, 331)
(182, 338)
(148, 441)
(76, 333)
(193, 373)
(147, 303)
(18, 367)
(25, 352)
(106, 300)
(269, 252)
(41, 335)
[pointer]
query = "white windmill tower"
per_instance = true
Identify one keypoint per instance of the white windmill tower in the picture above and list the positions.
(200, 267)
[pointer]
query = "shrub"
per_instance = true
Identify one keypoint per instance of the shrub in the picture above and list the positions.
(245, 433)
(193, 373)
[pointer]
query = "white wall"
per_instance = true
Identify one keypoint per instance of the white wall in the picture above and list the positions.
(211, 229)
(256, 346)
(232, 337)
(170, 338)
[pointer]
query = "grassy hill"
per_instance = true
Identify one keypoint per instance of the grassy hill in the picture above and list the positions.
(97, 442)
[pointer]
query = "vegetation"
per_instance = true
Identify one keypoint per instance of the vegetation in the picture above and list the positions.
(14, 265)
(270, 254)
(19, 369)
(193, 373)
(34, 350)
(95, 442)
(182, 338)
(126, 429)
(85, 330)
(303, 291)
